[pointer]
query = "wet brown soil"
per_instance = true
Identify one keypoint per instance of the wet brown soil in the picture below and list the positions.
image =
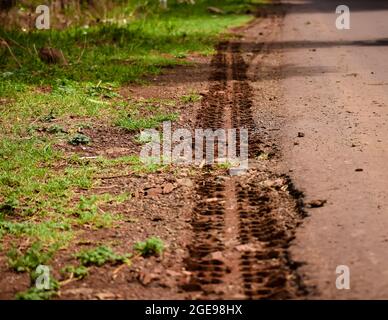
(242, 225)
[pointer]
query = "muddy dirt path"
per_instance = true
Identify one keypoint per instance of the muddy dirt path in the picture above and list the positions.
(242, 225)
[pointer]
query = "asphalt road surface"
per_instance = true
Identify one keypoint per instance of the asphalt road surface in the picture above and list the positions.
(335, 85)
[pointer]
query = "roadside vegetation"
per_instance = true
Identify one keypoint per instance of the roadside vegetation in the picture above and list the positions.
(46, 105)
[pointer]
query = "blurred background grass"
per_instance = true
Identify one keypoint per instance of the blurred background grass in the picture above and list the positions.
(120, 45)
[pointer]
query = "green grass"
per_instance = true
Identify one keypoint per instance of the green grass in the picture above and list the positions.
(42, 197)
(137, 124)
(143, 114)
(133, 163)
(191, 97)
(122, 53)
(88, 212)
(30, 187)
(49, 232)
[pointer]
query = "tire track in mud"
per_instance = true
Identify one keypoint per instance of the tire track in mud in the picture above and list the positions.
(242, 225)
(241, 116)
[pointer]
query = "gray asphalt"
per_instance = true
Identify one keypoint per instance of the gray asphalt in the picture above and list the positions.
(335, 86)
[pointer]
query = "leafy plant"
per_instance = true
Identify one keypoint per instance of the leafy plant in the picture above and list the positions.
(34, 293)
(33, 257)
(79, 272)
(87, 212)
(84, 126)
(152, 246)
(79, 139)
(48, 117)
(224, 165)
(55, 129)
(100, 256)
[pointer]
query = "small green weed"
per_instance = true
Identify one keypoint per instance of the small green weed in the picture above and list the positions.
(224, 165)
(78, 139)
(89, 213)
(34, 293)
(78, 272)
(48, 117)
(29, 261)
(100, 256)
(55, 129)
(152, 246)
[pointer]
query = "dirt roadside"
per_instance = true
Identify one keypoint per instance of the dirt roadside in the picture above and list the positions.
(314, 101)
(227, 237)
